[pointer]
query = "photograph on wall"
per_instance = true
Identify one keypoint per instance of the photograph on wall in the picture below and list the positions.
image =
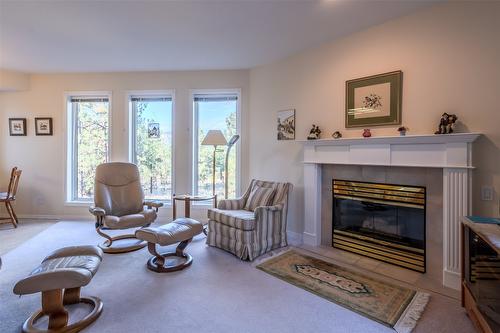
(154, 130)
(17, 126)
(374, 100)
(286, 124)
(43, 126)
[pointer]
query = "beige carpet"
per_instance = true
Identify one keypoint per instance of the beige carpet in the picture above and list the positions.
(218, 293)
(11, 237)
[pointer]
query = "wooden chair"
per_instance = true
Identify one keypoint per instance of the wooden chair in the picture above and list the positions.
(10, 196)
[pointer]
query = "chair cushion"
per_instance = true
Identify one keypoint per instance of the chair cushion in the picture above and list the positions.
(260, 196)
(71, 267)
(146, 217)
(174, 232)
(3, 195)
(239, 219)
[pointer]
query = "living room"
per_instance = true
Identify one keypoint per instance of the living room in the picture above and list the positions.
(175, 105)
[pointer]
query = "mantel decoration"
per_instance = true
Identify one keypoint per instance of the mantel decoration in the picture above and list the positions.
(367, 133)
(314, 133)
(286, 124)
(17, 126)
(43, 126)
(374, 100)
(402, 130)
(446, 123)
(336, 135)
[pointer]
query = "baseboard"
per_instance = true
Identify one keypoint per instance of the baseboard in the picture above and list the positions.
(294, 238)
(56, 217)
(451, 279)
(309, 239)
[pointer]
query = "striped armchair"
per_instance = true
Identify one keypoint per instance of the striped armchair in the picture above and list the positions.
(249, 234)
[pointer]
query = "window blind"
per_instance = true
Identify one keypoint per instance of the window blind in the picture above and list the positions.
(215, 98)
(89, 99)
(151, 99)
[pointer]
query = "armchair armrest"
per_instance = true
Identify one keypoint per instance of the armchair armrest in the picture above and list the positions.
(153, 204)
(231, 204)
(263, 209)
(97, 211)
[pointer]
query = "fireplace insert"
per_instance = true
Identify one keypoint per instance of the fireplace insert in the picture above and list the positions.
(381, 221)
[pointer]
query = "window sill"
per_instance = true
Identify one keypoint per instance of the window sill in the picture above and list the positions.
(78, 203)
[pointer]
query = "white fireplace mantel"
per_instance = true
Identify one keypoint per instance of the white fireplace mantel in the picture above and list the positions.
(451, 152)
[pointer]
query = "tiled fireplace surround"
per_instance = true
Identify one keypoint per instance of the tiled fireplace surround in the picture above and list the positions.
(440, 163)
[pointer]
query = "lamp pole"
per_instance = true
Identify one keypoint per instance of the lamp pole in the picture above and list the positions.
(213, 171)
(230, 145)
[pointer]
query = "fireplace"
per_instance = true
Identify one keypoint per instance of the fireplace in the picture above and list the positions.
(381, 221)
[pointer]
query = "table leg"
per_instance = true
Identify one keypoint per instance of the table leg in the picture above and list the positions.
(174, 209)
(187, 207)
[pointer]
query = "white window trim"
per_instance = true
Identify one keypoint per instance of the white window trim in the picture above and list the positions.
(69, 136)
(193, 137)
(131, 128)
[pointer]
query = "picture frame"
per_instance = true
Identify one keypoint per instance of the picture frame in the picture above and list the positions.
(17, 127)
(43, 126)
(154, 130)
(374, 100)
(286, 125)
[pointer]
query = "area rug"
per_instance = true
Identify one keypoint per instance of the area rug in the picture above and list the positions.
(389, 304)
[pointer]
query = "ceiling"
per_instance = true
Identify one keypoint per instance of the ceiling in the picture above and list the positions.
(107, 36)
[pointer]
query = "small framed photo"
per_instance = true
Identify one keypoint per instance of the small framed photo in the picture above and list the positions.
(374, 100)
(154, 130)
(286, 124)
(17, 126)
(43, 126)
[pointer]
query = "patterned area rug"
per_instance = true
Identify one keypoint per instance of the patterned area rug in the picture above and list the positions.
(389, 304)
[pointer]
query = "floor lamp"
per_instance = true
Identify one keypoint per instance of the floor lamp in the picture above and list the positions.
(214, 138)
(230, 145)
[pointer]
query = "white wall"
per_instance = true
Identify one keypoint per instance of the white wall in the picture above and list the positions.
(449, 55)
(42, 158)
(13, 80)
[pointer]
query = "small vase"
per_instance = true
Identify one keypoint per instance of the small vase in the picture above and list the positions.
(366, 133)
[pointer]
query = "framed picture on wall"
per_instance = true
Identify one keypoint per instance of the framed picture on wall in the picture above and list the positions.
(17, 126)
(43, 126)
(374, 100)
(286, 124)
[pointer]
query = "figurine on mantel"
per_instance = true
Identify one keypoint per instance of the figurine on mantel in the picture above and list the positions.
(446, 123)
(314, 133)
(336, 135)
(402, 130)
(367, 133)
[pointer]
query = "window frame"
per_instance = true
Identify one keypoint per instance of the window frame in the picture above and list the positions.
(131, 154)
(70, 146)
(194, 137)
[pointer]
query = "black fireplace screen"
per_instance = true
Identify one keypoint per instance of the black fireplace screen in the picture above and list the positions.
(381, 221)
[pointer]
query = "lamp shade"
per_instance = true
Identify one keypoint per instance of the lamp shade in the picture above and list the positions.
(214, 138)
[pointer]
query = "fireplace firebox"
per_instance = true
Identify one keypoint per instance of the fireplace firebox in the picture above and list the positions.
(381, 221)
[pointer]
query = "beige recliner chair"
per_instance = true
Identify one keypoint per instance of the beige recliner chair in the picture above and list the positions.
(119, 204)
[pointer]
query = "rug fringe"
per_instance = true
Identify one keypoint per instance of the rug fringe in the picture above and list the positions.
(271, 255)
(412, 314)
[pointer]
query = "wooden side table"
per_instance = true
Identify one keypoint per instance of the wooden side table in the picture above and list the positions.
(188, 199)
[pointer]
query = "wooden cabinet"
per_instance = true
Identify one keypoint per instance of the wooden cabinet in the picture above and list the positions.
(481, 275)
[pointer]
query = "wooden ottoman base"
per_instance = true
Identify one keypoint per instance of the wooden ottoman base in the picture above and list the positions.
(158, 262)
(112, 245)
(53, 306)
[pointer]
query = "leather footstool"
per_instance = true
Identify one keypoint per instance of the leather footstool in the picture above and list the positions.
(59, 278)
(182, 231)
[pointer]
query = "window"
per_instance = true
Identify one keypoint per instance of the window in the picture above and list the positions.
(88, 142)
(215, 111)
(151, 143)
